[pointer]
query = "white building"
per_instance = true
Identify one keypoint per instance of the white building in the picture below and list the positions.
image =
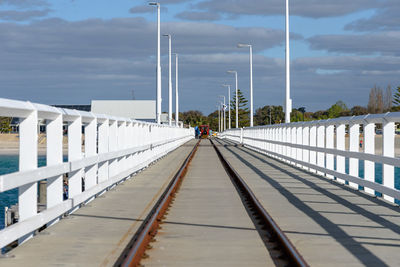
(135, 109)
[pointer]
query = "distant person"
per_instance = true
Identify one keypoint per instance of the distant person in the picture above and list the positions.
(197, 132)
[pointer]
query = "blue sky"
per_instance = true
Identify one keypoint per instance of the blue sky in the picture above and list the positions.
(70, 52)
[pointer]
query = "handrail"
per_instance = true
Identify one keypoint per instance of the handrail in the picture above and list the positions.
(114, 148)
(320, 147)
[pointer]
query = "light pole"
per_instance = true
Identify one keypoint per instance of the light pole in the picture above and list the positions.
(219, 119)
(237, 97)
(288, 103)
(229, 103)
(223, 108)
(158, 104)
(251, 80)
(169, 81)
(176, 91)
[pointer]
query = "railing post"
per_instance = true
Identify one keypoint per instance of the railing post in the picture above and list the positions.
(306, 142)
(283, 138)
(369, 148)
(313, 143)
(121, 144)
(354, 140)
(330, 143)
(90, 150)
(27, 194)
(75, 153)
(340, 145)
(241, 136)
(299, 138)
(103, 148)
(321, 144)
(293, 141)
(113, 146)
(388, 151)
(54, 156)
(288, 141)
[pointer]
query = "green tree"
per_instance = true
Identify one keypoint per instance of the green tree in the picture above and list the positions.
(244, 120)
(5, 124)
(396, 98)
(337, 109)
(269, 115)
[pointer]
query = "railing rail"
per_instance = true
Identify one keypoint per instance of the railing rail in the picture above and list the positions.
(320, 147)
(114, 148)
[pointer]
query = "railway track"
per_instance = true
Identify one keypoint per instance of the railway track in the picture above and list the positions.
(280, 249)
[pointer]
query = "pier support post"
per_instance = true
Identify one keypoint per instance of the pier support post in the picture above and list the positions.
(388, 151)
(369, 148)
(28, 142)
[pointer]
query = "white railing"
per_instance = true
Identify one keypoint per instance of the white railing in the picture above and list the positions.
(113, 150)
(320, 147)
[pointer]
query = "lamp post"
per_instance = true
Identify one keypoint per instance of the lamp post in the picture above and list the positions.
(169, 81)
(223, 109)
(237, 98)
(251, 80)
(158, 102)
(176, 91)
(229, 103)
(288, 102)
(219, 119)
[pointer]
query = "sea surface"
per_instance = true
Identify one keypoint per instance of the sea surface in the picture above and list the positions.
(9, 164)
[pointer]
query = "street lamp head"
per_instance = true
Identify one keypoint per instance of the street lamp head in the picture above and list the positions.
(167, 35)
(225, 85)
(243, 45)
(231, 71)
(154, 4)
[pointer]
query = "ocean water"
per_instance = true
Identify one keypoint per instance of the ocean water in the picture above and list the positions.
(9, 164)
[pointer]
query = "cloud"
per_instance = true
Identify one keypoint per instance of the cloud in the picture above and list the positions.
(25, 3)
(309, 8)
(386, 18)
(13, 15)
(198, 16)
(56, 61)
(145, 9)
(385, 43)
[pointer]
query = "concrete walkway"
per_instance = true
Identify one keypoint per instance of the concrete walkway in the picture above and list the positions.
(330, 224)
(207, 224)
(97, 233)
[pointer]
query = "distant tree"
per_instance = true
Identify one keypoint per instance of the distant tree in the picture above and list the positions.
(244, 120)
(376, 101)
(320, 115)
(296, 115)
(5, 124)
(358, 110)
(269, 115)
(396, 98)
(302, 110)
(388, 99)
(337, 110)
(192, 117)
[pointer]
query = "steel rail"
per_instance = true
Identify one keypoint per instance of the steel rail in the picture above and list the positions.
(291, 253)
(136, 248)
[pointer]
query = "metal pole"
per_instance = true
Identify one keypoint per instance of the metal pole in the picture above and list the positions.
(229, 104)
(158, 102)
(251, 86)
(219, 120)
(169, 81)
(176, 91)
(237, 101)
(288, 104)
(223, 124)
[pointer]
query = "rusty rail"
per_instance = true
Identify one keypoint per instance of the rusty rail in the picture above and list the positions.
(273, 231)
(136, 248)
